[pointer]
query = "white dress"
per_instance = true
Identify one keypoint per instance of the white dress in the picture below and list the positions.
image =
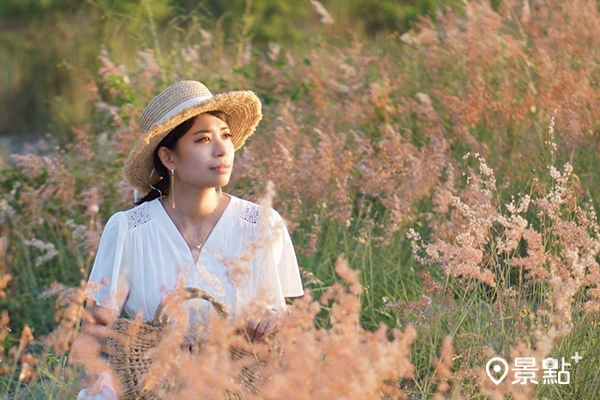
(247, 259)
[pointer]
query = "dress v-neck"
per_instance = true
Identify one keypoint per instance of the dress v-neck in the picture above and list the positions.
(214, 235)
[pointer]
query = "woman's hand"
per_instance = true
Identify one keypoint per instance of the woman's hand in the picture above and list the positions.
(265, 327)
(96, 321)
(92, 338)
(98, 315)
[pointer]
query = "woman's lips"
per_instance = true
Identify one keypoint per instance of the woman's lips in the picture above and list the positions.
(221, 169)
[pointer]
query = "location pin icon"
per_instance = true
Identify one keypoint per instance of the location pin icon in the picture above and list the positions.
(500, 364)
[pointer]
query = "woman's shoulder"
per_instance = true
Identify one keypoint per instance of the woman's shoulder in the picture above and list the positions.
(247, 211)
(252, 213)
(134, 217)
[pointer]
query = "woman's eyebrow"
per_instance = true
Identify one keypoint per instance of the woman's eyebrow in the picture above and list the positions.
(223, 128)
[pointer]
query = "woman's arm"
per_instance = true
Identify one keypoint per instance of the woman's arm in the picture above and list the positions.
(96, 323)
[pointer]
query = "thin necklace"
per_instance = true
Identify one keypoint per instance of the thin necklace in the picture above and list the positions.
(201, 244)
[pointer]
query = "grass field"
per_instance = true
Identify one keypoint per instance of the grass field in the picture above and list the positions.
(439, 186)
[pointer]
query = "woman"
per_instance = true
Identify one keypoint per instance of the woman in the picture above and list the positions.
(185, 228)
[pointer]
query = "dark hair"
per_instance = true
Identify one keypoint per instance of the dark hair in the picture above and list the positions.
(170, 142)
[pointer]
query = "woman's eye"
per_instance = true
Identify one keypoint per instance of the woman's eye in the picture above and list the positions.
(227, 135)
(203, 140)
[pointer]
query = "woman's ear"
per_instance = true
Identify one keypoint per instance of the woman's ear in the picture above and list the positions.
(166, 156)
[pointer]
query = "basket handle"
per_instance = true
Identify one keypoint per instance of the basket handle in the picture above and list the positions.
(191, 293)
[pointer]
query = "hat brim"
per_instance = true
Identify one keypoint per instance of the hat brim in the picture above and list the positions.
(244, 112)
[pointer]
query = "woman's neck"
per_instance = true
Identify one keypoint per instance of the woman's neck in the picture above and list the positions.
(195, 215)
(193, 206)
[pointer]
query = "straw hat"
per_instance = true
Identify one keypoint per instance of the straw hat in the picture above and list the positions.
(177, 104)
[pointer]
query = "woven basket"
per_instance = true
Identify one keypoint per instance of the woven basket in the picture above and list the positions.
(131, 341)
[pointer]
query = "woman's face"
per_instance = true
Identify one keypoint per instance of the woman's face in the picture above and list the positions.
(204, 155)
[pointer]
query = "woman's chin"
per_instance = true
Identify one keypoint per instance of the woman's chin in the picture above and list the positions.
(224, 182)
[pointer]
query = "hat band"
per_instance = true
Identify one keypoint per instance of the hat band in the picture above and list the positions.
(194, 101)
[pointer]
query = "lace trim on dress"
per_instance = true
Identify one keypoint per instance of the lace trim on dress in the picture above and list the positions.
(138, 216)
(251, 214)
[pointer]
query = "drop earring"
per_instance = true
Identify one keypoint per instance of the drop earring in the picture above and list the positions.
(172, 190)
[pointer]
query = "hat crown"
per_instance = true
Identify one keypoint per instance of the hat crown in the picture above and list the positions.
(170, 99)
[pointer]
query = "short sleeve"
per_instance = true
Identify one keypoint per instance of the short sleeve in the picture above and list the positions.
(108, 284)
(286, 262)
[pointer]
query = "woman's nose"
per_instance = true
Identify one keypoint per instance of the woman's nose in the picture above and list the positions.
(220, 148)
